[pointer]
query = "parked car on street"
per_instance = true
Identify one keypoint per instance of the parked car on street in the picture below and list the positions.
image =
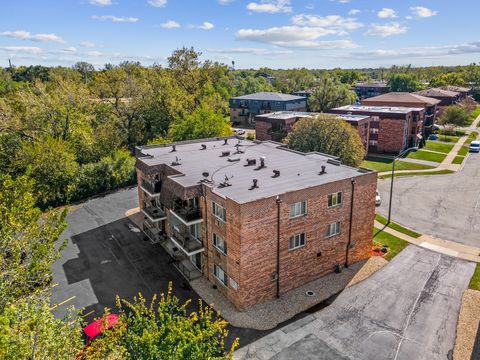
(474, 146)
(378, 199)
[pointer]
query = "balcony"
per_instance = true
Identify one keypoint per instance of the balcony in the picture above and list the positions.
(188, 270)
(187, 215)
(187, 242)
(153, 233)
(154, 213)
(152, 188)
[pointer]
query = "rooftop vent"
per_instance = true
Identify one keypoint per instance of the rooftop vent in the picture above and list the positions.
(254, 185)
(225, 141)
(237, 147)
(173, 148)
(226, 182)
(262, 163)
(276, 173)
(251, 162)
(233, 158)
(323, 171)
(225, 153)
(334, 162)
(176, 162)
(205, 174)
(204, 147)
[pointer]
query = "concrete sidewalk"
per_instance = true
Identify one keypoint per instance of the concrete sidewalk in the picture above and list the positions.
(446, 247)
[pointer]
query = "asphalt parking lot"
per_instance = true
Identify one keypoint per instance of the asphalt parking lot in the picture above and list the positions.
(445, 206)
(407, 310)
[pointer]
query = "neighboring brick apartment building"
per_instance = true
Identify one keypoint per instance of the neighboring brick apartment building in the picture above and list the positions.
(391, 129)
(254, 218)
(462, 91)
(368, 90)
(276, 126)
(446, 97)
(243, 109)
(404, 99)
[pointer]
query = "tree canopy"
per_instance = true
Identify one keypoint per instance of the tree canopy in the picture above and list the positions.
(404, 83)
(329, 93)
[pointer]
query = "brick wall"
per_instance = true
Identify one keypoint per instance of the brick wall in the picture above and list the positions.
(261, 130)
(391, 135)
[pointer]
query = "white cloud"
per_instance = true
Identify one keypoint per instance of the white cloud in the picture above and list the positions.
(423, 12)
(115, 19)
(206, 26)
(387, 13)
(270, 6)
(101, 2)
(32, 50)
(294, 37)
(157, 3)
(170, 24)
(70, 50)
(339, 25)
(253, 51)
(354, 12)
(225, 2)
(87, 44)
(25, 35)
(386, 30)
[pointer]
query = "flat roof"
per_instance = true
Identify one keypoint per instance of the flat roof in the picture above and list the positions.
(286, 114)
(297, 170)
(378, 109)
(269, 96)
(353, 117)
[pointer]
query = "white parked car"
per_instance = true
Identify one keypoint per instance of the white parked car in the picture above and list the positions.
(378, 199)
(239, 132)
(474, 146)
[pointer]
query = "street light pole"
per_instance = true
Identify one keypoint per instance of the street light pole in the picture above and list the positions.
(393, 176)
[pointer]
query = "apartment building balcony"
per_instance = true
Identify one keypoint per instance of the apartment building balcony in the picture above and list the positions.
(152, 188)
(188, 243)
(154, 213)
(190, 271)
(187, 214)
(153, 233)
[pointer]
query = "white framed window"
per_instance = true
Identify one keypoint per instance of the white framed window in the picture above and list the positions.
(297, 241)
(219, 212)
(333, 229)
(233, 284)
(298, 209)
(220, 244)
(335, 199)
(220, 274)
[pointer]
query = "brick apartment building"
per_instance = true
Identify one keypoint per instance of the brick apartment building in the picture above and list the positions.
(254, 218)
(462, 91)
(368, 90)
(403, 99)
(446, 97)
(276, 126)
(391, 129)
(243, 109)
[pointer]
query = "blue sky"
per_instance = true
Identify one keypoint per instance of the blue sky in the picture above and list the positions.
(255, 33)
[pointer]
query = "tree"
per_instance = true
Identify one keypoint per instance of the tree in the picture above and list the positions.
(456, 79)
(472, 78)
(85, 69)
(329, 94)
(404, 83)
(328, 134)
(454, 116)
(163, 330)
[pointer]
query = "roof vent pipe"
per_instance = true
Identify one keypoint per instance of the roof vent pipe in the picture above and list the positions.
(225, 141)
(262, 163)
(323, 171)
(255, 184)
(251, 162)
(173, 148)
(204, 147)
(276, 173)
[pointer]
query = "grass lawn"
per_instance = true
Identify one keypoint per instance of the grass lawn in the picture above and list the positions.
(393, 243)
(458, 160)
(385, 164)
(426, 155)
(475, 281)
(448, 138)
(438, 146)
(473, 115)
(413, 173)
(463, 151)
(458, 132)
(473, 136)
(397, 227)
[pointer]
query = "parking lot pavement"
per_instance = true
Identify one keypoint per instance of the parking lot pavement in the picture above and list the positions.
(387, 316)
(445, 206)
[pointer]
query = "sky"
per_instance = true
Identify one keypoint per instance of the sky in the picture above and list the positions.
(253, 33)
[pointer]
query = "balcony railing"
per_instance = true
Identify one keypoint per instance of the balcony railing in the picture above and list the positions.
(188, 269)
(187, 241)
(153, 233)
(152, 187)
(187, 214)
(154, 213)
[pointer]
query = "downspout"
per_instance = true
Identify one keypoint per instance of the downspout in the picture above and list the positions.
(350, 225)
(278, 201)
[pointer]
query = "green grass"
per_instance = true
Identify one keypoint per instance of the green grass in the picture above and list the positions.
(473, 136)
(397, 227)
(393, 243)
(475, 280)
(414, 173)
(448, 138)
(458, 132)
(458, 160)
(463, 151)
(438, 146)
(385, 164)
(474, 114)
(426, 155)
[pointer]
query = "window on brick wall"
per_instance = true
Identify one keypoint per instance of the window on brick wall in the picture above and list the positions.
(220, 274)
(297, 241)
(298, 209)
(333, 229)
(335, 199)
(219, 212)
(220, 244)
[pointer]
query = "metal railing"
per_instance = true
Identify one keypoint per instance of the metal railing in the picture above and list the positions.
(187, 213)
(154, 212)
(153, 187)
(187, 241)
(190, 271)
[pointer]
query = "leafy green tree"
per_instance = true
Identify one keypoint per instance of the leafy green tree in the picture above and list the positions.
(163, 329)
(404, 83)
(328, 134)
(456, 79)
(472, 77)
(329, 94)
(85, 69)
(454, 116)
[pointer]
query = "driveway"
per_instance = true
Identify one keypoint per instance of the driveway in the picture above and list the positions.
(445, 206)
(407, 310)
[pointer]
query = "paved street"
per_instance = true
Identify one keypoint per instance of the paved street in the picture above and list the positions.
(445, 206)
(407, 310)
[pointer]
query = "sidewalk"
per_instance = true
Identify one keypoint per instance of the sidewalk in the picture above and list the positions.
(439, 245)
(446, 164)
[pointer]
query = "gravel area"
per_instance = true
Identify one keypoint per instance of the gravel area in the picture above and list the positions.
(269, 314)
(468, 326)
